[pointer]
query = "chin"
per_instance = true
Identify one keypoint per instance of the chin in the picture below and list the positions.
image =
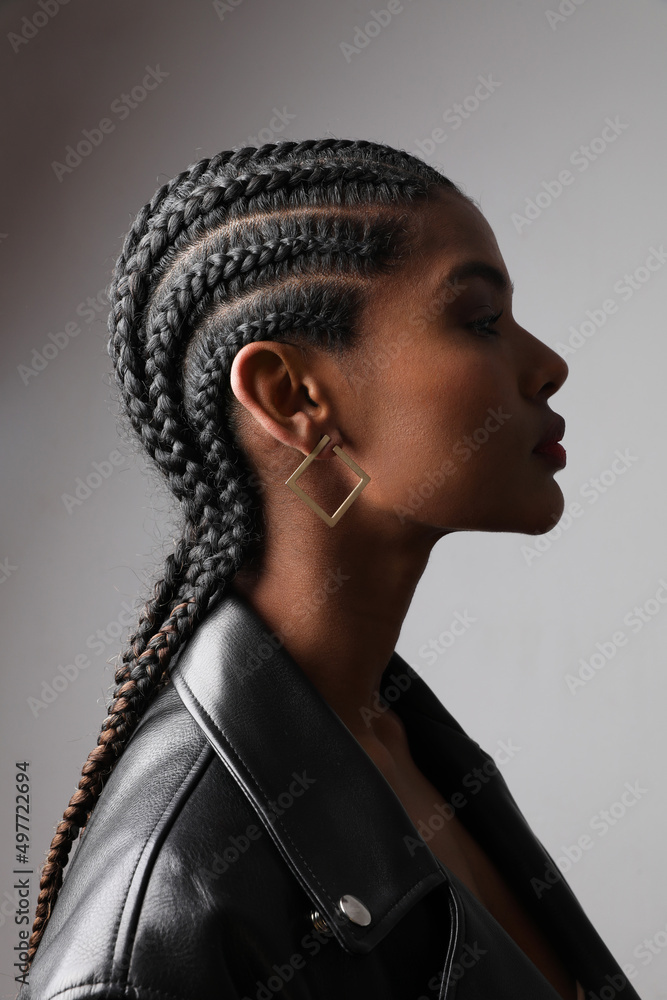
(534, 517)
(546, 517)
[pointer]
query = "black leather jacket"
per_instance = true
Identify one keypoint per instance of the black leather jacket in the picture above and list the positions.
(246, 847)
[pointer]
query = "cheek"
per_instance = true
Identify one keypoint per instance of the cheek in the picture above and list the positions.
(430, 412)
(456, 429)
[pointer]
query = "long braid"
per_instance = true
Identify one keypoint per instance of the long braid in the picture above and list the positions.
(253, 243)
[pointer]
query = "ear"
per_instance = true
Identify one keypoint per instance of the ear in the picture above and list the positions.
(284, 390)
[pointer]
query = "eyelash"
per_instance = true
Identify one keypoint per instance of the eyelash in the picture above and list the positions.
(484, 325)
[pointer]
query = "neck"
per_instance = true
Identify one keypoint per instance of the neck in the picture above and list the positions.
(339, 602)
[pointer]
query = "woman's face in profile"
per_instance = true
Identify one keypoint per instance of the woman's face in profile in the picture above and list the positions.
(448, 429)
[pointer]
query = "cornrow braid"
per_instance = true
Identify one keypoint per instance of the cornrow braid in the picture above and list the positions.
(266, 242)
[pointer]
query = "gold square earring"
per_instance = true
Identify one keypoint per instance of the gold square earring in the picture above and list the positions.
(330, 519)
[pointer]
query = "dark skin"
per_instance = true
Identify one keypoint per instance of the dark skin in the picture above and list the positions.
(400, 421)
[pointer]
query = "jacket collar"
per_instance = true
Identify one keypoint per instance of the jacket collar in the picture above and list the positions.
(334, 817)
(332, 814)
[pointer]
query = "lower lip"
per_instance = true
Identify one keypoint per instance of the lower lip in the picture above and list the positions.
(554, 452)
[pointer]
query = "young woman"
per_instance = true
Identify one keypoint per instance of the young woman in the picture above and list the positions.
(314, 343)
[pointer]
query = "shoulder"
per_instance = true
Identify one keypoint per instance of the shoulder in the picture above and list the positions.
(142, 869)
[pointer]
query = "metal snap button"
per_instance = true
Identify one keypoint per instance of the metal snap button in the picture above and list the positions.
(355, 910)
(319, 923)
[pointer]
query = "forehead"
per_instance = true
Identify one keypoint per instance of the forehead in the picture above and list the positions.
(452, 229)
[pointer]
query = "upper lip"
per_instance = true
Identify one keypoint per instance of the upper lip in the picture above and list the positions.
(553, 433)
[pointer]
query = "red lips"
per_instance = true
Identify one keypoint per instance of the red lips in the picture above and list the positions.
(548, 445)
(553, 434)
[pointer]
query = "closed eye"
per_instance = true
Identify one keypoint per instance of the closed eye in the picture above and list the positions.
(484, 324)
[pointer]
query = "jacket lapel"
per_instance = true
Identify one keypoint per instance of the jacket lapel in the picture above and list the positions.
(333, 816)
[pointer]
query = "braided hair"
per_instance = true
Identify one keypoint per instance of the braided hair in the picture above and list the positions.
(255, 243)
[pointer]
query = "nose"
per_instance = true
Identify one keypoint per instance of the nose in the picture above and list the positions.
(544, 369)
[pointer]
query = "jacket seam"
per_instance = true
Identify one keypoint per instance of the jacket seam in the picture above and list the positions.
(412, 889)
(458, 928)
(235, 754)
(131, 937)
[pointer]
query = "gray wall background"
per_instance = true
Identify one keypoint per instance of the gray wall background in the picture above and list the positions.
(540, 606)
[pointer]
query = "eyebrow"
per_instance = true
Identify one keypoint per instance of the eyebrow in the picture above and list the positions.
(476, 269)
